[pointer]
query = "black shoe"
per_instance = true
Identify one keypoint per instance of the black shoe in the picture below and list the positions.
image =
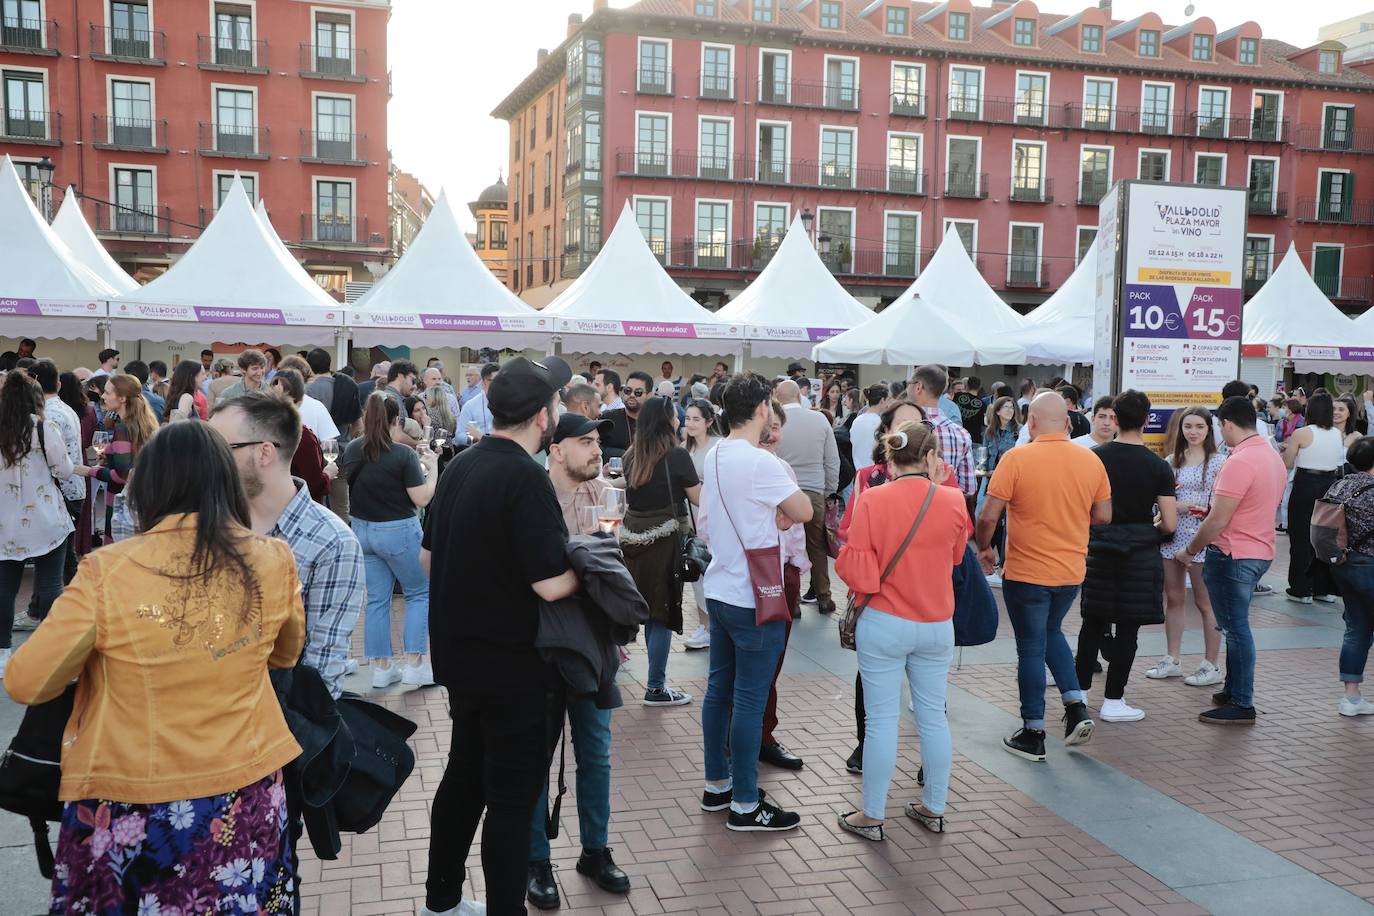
(1078, 724)
(826, 606)
(666, 696)
(1097, 667)
(1026, 743)
(542, 891)
(810, 596)
(765, 818)
(719, 801)
(855, 763)
(598, 865)
(1230, 714)
(1221, 698)
(778, 755)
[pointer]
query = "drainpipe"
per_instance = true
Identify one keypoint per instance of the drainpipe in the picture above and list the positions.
(80, 109)
(941, 113)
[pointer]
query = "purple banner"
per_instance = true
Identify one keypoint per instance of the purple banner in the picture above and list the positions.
(1158, 420)
(657, 329)
(823, 333)
(239, 316)
(459, 323)
(19, 307)
(1152, 311)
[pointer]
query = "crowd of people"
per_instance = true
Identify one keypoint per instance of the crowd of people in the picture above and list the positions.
(238, 516)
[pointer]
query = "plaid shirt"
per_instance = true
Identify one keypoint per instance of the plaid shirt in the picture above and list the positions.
(329, 561)
(956, 447)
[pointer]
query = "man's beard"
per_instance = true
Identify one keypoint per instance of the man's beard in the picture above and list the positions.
(590, 471)
(545, 439)
(252, 483)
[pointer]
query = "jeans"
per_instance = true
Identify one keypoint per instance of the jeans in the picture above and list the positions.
(591, 736)
(888, 646)
(1304, 576)
(47, 585)
(816, 547)
(744, 656)
(791, 588)
(658, 639)
(1119, 650)
(1231, 585)
(1037, 613)
(1356, 578)
(391, 552)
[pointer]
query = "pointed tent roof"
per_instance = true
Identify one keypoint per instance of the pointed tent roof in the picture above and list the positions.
(441, 286)
(952, 285)
(794, 302)
(625, 302)
(1060, 330)
(261, 211)
(1291, 310)
(912, 331)
(71, 227)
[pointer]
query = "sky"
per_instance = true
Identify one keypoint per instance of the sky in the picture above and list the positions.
(452, 61)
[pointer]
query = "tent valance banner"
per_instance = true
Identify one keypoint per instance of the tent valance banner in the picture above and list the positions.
(692, 331)
(51, 308)
(225, 314)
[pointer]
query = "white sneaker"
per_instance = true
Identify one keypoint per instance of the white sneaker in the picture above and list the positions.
(1356, 706)
(700, 638)
(385, 677)
(1206, 675)
(466, 908)
(995, 580)
(1118, 711)
(350, 665)
(1325, 599)
(4, 659)
(421, 675)
(1167, 666)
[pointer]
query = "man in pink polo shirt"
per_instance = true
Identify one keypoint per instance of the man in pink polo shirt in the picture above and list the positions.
(1239, 536)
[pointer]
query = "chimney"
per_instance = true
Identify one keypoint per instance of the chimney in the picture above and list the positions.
(574, 23)
(542, 56)
(1105, 6)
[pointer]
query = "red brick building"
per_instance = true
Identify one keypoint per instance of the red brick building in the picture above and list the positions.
(148, 107)
(894, 123)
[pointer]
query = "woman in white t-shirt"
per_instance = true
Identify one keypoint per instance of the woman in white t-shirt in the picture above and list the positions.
(1315, 452)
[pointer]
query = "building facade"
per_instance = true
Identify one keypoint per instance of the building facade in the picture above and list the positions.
(490, 238)
(1356, 33)
(150, 108)
(892, 124)
(411, 203)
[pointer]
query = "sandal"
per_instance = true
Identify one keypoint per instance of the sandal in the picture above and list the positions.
(935, 823)
(874, 833)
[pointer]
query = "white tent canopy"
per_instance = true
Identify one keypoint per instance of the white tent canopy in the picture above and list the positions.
(952, 284)
(1060, 330)
(440, 287)
(625, 302)
(71, 227)
(912, 331)
(237, 275)
(44, 290)
(1291, 317)
(794, 302)
(261, 211)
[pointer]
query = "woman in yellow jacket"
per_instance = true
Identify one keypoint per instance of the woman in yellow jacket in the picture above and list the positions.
(171, 761)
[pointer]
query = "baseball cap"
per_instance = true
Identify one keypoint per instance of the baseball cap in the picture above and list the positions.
(574, 426)
(795, 367)
(525, 385)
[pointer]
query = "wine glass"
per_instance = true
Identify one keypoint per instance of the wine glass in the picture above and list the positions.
(588, 519)
(101, 440)
(615, 467)
(612, 512)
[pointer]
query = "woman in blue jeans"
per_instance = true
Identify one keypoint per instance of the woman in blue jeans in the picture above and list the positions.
(1355, 577)
(388, 483)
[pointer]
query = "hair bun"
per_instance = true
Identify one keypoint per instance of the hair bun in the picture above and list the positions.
(897, 441)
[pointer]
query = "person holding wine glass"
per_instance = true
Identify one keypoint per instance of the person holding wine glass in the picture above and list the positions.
(131, 423)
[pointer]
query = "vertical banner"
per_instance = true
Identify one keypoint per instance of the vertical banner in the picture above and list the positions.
(1107, 280)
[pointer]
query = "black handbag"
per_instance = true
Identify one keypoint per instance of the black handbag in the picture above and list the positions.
(693, 554)
(31, 770)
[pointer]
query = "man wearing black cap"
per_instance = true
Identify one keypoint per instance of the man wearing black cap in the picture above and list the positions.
(496, 546)
(575, 466)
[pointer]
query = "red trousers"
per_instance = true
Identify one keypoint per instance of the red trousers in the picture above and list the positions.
(791, 588)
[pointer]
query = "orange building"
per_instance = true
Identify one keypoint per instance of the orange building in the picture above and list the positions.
(491, 211)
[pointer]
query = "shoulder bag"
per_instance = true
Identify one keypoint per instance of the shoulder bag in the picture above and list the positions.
(31, 770)
(765, 571)
(1330, 535)
(850, 622)
(693, 555)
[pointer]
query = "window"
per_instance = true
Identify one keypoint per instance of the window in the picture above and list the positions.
(30, 178)
(1092, 39)
(1156, 103)
(1210, 170)
(529, 259)
(965, 92)
(131, 108)
(652, 147)
(836, 229)
(773, 153)
(1027, 171)
(548, 180)
(591, 146)
(1337, 126)
(550, 101)
(714, 149)
(233, 35)
(546, 256)
(830, 14)
(133, 199)
(333, 211)
(334, 128)
(1334, 192)
(958, 27)
(225, 180)
(1023, 32)
(129, 34)
(774, 85)
(1259, 251)
(705, 7)
(515, 197)
(967, 230)
(717, 72)
(837, 157)
(1149, 43)
(770, 225)
(841, 83)
(906, 91)
(653, 67)
(1094, 175)
(1202, 47)
(1211, 112)
(1023, 263)
(1031, 90)
(904, 163)
(1086, 236)
(713, 234)
(22, 25)
(901, 238)
(1264, 117)
(1326, 267)
(234, 121)
(594, 66)
(497, 239)
(1154, 165)
(763, 10)
(1249, 51)
(25, 115)
(481, 235)
(1328, 61)
(1263, 178)
(529, 199)
(515, 272)
(896, 20)
(333, 44)
(1099, 104)
(652, 215)
(961, 167)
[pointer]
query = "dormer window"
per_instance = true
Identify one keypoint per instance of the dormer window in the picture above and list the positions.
(1202, 47)
(1023, 33)
(1092, 39)
(896, 20)
(1328, 61)
(1248, 52)
(706, 7)
(763, 10)
(958, 27)
(1149, 43)
(830, 14)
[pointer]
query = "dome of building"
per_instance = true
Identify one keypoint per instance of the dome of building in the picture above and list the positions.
(494, 194)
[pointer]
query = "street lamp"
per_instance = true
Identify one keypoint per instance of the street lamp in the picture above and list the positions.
(807, 218)
(45, 173)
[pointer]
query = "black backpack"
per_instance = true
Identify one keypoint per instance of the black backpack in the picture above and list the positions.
(31, 770)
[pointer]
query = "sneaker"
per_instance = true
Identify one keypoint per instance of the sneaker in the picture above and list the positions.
(1260, 588)
(1221, 698)
(421, 675)
(4, 659)
(810, 596)
(666, 696)
(719, 801)
(1078, 724)
(995, 580)
(764, 818)
(1296, 598)
(1026, 743)
(1325, 599)
(1206, 675)
(1350, 706)
(1120, 711)
(855, 763)
(1167, 666)
(700, 638)
(1230, 714)
(23, 622)
(350, 665)
(385, 677)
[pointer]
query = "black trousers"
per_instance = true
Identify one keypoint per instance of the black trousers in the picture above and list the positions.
(1306, 577)
(70, 560)
(497, 763)
(1119, 651)
(860, 717)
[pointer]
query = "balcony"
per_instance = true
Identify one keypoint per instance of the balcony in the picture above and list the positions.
(1355, 290)
(1267, 203)
(966, 184)
(1026, 190)
(908, 104)
(967, 108)
(1340, 211)
(753, 255)
(1260, 129)
(323, 62)
(1252, 285)
(788, 172)
(232, 141)
(235, 55)
(1027, 272)
(1025, 112)
(28, 36)
(33, 128)
(143, 221)
(1267, 128)
(335, 148)
(718, 86)
(337, 229)
(1349, 140)
(128, 46)
(1091, 190)
(804, 94)
(128, 134)
(906, 181)
(653, 82)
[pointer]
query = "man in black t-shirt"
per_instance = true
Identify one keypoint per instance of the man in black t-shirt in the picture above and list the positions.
(971, 407)
(496, 545)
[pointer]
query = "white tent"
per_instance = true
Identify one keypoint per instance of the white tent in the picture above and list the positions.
(1060, 330)
(952, 284)
(912, 331)
(1291, 317)
(71, 227)
(794, 302)
(442, 290)
(625, 302)
(237, 275)
(261, 211)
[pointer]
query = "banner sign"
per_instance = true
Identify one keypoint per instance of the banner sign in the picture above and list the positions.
(1353, 354)
(769, 332)
(646, 328)
(223, 314)
(440, 321)
(51, 308)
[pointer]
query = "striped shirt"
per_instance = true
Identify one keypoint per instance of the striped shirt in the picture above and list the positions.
(956, 447)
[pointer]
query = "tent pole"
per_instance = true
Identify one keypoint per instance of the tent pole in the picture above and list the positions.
(739, 357)
(555, 345)
(340, 349)
(106, 332)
